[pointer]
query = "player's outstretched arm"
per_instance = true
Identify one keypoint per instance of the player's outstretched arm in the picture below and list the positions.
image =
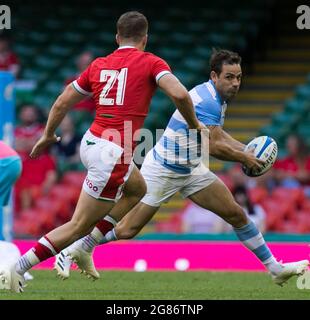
(61, 106)
(223, 150)
(181, 98)
(233, 142)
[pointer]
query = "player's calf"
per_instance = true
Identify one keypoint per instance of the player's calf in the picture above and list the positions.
(122, 232)
(251, 238)
(235, 216)
(81, 251)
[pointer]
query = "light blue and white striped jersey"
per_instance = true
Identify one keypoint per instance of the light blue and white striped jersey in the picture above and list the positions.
(179, 148)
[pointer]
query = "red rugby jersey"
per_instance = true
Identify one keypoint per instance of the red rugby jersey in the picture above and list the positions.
(122, 85)
(7, 60)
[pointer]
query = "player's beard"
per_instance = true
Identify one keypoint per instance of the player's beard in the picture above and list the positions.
(230, 96)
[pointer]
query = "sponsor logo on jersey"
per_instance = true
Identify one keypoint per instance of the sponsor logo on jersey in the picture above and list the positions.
(90, 143)
(91, 185)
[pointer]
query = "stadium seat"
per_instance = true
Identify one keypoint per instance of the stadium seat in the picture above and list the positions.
(257, 194)
(29, 223)
(46, 203)
(66, 192)
(285, 119)
(53, 24)
(290, 227)
(56, 207)
(276, 212)
(303, 92)
(306, 205)
(294, 195)
(295, 106)
(74, 178)
(303, 221)
(173, 225)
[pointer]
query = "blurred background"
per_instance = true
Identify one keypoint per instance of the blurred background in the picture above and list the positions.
(50, 44)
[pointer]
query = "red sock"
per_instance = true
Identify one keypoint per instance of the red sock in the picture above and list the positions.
(44, 249)
(104, 226)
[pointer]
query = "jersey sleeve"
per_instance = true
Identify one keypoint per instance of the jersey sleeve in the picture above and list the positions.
(82, 83)
(159, 68)
(209, 114)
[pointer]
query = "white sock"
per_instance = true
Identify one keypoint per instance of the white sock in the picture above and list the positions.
(89, 242)
(26, 262)
(272, 265)
(110, 236)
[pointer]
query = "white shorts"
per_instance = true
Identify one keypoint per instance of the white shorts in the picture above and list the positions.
(106, 173)
(163, 183)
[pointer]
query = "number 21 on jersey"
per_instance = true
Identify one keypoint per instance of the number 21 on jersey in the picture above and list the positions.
(111, 77)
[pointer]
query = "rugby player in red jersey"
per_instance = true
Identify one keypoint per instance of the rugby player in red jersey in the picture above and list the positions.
(122, 85)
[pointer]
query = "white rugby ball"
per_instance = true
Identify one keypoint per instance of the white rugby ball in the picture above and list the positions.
(265, 148)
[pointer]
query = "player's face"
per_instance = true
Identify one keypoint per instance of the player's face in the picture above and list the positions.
(3, 46)
(28, 115)
(228, 82)
(292, 146)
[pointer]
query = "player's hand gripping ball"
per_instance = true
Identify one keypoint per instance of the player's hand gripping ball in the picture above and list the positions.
(264, 148)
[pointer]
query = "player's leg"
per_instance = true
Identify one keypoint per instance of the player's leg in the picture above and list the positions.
(87, 213)
(133, 192)
(161, 184)
(81, 251)
(217, 198)
(107, 173)
(160, 187)
(132, 223)
(103, 182)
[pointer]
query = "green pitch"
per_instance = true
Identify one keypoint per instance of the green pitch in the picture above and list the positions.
(157, 285)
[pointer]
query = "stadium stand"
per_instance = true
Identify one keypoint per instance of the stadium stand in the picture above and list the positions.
(273, 71)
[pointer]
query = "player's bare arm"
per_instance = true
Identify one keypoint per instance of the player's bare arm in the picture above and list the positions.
(181, 98)
(233, 142)
(222, 150)
(60, 108)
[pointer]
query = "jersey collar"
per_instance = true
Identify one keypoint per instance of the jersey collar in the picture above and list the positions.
(126, 47)
(218, 97)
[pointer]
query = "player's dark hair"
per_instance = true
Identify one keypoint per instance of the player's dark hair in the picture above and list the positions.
(132, 25)
(221, 57)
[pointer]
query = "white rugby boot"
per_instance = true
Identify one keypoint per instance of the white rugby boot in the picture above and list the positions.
(62, 265)
(11, 280)
(289, 270)
(80, 257)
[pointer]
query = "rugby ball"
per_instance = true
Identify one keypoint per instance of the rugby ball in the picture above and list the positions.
(264, 148)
